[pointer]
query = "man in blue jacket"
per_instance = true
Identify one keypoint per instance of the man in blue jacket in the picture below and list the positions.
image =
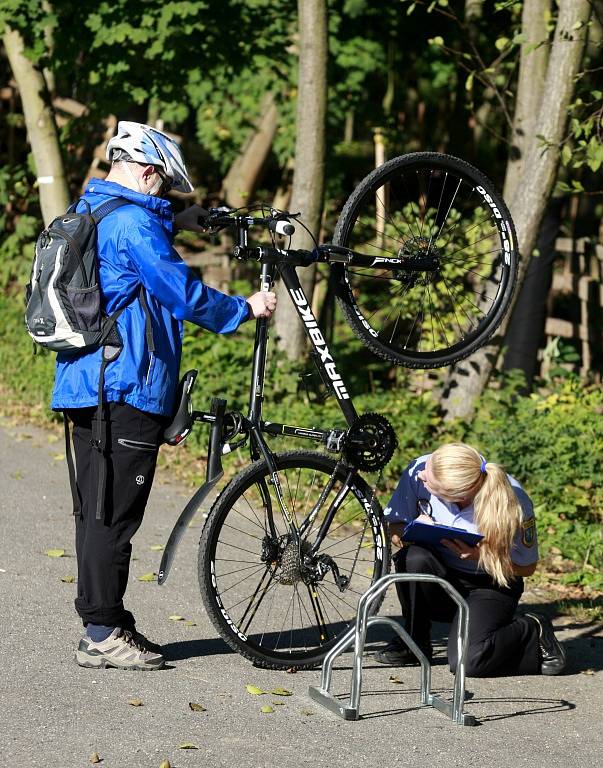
(134, 249)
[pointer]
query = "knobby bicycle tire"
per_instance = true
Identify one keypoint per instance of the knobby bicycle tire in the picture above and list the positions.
(266, 609)
(436, 209)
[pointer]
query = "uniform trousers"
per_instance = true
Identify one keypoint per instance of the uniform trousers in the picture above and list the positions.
(103, 545)
(499, 642)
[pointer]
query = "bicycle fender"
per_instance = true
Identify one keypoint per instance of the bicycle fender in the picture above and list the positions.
(181, 525)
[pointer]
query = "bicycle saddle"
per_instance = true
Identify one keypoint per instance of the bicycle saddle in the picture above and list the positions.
(182, 421)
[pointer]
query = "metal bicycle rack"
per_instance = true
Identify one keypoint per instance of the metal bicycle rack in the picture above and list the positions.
(357, 636)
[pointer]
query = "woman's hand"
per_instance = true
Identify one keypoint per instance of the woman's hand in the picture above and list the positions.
(396, 529)
(395, 533)
(462, 550)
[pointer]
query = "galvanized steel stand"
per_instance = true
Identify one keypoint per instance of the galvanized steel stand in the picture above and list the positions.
(357, 636)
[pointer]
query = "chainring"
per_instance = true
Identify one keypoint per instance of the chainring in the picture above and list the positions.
(370, 442)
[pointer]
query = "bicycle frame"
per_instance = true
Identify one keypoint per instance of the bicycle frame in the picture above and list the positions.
(254, 425)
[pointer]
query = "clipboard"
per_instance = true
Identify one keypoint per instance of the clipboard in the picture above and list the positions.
(423, 533)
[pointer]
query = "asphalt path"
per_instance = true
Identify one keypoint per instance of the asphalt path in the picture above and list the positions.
(57, 714)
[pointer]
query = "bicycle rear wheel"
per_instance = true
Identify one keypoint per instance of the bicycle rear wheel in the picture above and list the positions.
(270, 605)
(442, 218)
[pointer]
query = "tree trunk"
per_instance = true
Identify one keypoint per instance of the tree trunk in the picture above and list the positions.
(242, 178)
(468, 379)
(308, 177)
(526, 327)
(527, 323)
(530, 83)
(41, 128)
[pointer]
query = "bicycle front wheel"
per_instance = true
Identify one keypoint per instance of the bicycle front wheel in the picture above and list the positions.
(274, 601)
(440, 218)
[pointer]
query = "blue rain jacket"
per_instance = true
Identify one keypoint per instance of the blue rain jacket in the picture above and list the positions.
(134, 248)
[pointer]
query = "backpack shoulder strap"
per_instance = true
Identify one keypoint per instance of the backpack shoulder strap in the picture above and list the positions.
(108, 207)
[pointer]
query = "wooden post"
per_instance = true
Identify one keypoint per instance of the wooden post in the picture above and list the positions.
(381, 196)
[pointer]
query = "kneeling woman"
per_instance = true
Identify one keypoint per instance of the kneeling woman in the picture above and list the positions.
(455, 486)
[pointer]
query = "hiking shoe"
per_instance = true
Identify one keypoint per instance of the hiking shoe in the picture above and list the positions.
(119, 650)
(145, 643)
(552, 653)
(397, 654)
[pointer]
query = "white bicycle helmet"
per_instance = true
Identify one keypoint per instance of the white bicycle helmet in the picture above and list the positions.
(144, 144)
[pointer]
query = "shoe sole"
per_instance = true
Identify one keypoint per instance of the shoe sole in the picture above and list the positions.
(552, 672)
(100, 662)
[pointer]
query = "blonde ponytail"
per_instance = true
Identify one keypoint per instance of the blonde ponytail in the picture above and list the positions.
(461, 472)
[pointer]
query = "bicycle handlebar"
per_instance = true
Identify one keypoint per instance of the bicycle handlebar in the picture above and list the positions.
(223, 217)
(278, 221)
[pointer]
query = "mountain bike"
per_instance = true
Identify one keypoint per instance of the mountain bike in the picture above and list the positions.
(423, 263)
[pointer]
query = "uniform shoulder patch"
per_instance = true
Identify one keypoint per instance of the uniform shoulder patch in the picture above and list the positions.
(528, 532)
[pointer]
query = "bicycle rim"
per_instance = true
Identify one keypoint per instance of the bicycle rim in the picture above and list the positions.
(259, 596)
(442, 218)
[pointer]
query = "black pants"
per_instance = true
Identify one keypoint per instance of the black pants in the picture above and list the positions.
(103, 546)
(499, 643)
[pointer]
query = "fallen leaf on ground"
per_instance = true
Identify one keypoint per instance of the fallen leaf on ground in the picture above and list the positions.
(190, 623)
(54, 552)
(148, 577)
(281, 692)
(135, 702)
(175, 617)
(196, 707)
(588, 671)
(395, 679)
(307, 712)
(188, 745)
(94, 758)
(267, 709)
(68, 579)
(59, 456)
(165, 764)
(157, 547)
(17, 476)
(254, 690)
(52, 438)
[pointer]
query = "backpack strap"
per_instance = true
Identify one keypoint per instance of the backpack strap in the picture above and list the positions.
(75, 495)
(148, 327)
(108, 207)
(99, 430)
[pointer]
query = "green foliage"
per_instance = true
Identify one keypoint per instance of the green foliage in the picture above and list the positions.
(28, 378)
(18, 228)
(552, 442)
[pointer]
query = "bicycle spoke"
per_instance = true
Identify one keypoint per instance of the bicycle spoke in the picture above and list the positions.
(241, 570)
(256, 603)
(238, 582)
(240, 530)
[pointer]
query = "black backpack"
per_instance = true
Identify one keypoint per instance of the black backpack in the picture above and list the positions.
(63, 299)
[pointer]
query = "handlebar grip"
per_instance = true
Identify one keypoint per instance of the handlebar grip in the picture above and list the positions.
(281, 227)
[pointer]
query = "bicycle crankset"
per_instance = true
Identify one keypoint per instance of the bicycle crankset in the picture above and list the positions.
(370, 442)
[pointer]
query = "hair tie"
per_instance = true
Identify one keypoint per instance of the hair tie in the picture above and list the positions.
(482, 468)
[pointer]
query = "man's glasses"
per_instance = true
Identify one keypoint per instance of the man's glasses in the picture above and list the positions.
(166, 184)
